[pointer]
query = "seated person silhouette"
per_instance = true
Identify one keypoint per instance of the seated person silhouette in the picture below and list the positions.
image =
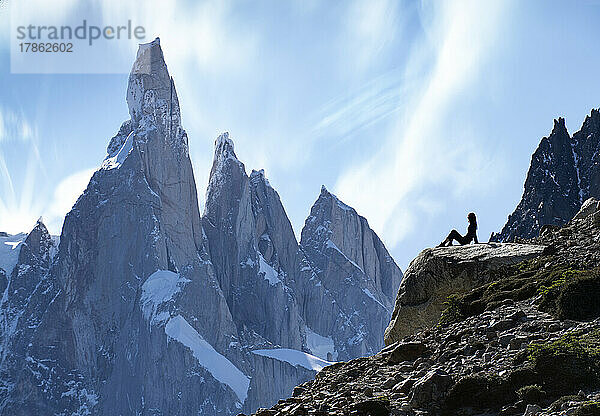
(455, 235)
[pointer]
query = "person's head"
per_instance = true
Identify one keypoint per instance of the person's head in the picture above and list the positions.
(471, 217)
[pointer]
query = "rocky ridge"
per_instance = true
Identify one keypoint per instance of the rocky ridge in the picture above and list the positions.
(564, 172)
(525, 342)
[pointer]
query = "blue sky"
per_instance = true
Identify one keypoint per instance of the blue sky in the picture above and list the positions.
(413, 112)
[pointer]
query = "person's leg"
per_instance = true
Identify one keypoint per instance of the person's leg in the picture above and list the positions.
(454, 235)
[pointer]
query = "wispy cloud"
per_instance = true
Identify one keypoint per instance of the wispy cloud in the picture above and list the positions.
(194, 35)
(14, 126)
(418, 154)
(359, 109)
(18, 206)
(199, 35)
(21, 169)
(371, 25)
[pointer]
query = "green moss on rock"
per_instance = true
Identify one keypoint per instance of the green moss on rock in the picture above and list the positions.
(568, 363)
(560, 290)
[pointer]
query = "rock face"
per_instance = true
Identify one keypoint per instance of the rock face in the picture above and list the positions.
(350, 279)
(28, 291)
(136, 297)
(147, 307)
(240, 218)
(524, 342)
(437, 273)
(564, 172)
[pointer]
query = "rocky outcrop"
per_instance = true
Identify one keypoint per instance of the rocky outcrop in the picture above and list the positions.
(437, 273)
(564, 172)
(466, 369)
(349, 279)
(523, 342)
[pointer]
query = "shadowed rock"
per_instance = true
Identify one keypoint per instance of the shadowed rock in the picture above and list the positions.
(564, 172)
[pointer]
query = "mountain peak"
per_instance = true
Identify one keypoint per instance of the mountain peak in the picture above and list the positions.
(225, 164)
(151, 95)
(325, 194)
(224, 148)
(344, 252)
(38, 240)
(40, 227)
(257, 173)
(258, 176)
(144, 46)
(562, 175)
(224, 144)
(559, 126)
(149, 58)
(593, 120)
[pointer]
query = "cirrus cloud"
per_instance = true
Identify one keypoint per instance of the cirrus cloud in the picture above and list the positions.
(417, 152)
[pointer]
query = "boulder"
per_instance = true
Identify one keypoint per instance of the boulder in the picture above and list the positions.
(430, 388)
(408, 351)
(437, 273)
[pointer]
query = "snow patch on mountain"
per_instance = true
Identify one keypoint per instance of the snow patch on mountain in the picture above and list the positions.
(268, 272)
(219, 366)
(332, 245)
(158, 289)
(295, 358)
(117, 160)
(372, 296)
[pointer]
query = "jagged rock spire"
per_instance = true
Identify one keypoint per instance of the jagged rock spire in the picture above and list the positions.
(564, 172)
(559, 127)
(244, 224)
(226, 166)
(151, 91)
(153, 107)
(274, 233)
(358, 275)
(37, 244)
(224, 147)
